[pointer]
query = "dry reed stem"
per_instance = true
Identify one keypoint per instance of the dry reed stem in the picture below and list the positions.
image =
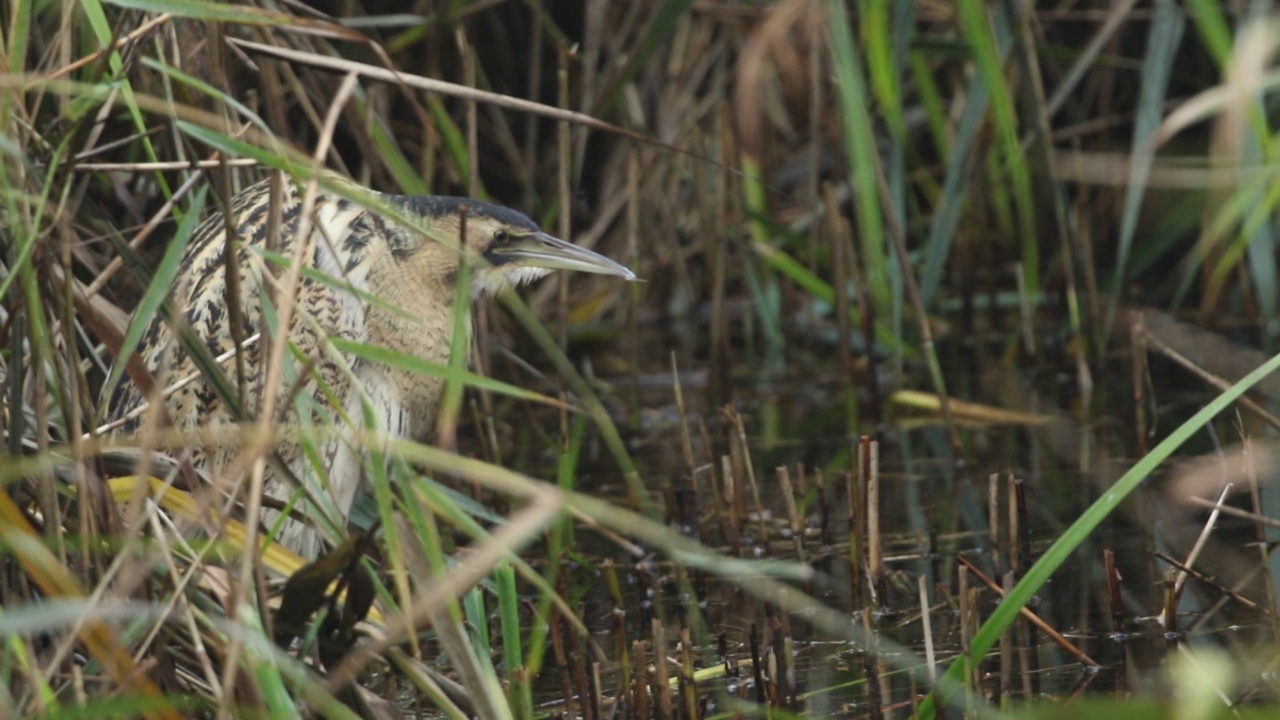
(1036, 620)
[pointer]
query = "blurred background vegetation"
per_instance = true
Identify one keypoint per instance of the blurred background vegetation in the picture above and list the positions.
(1029, 239)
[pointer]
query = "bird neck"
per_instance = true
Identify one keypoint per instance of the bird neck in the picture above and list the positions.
(416, 319)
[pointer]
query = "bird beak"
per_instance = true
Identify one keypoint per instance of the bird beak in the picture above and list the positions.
(544, 251)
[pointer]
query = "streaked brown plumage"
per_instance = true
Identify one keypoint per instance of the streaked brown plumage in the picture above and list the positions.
(384, 284)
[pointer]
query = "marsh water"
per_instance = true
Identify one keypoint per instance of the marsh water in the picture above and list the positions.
(934, 508)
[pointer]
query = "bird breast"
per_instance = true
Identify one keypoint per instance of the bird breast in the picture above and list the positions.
(415, 316)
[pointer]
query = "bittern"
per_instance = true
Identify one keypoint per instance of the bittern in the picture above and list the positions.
(378, 281)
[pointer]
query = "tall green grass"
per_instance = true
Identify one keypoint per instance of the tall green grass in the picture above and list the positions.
(945, 138)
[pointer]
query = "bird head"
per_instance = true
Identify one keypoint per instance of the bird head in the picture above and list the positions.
(506, 247)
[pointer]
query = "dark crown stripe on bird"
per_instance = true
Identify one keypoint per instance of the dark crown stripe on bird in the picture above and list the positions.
(438, 206)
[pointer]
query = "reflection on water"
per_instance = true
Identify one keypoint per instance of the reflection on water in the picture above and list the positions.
(931, 511)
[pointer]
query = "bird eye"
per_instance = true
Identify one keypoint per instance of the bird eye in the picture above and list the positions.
(501, 235)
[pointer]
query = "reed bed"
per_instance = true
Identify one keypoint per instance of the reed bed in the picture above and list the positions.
(948, 392)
